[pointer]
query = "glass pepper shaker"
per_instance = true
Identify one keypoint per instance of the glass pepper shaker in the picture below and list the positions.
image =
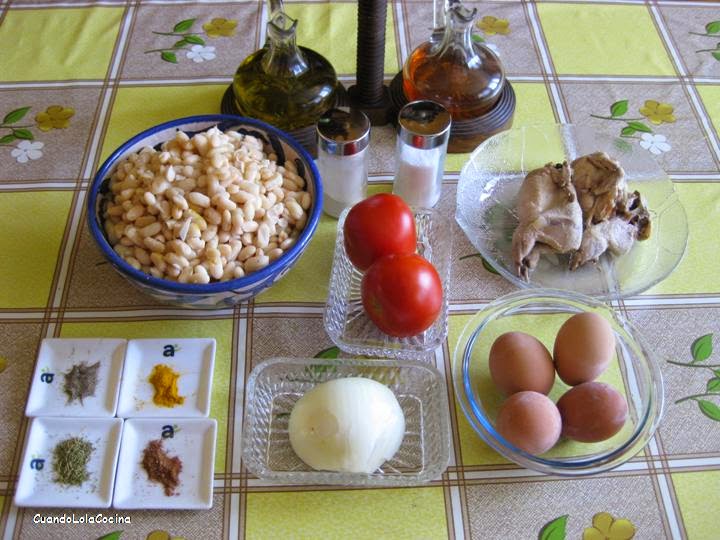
(343, 139)
(423, 133)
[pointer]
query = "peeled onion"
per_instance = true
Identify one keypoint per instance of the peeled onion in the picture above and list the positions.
(350, 425)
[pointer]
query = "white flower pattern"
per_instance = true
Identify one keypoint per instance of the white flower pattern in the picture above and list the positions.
(199, 53)
(655, 143)
(26, 150)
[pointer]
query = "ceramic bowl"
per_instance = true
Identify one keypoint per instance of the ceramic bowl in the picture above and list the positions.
(216, 294)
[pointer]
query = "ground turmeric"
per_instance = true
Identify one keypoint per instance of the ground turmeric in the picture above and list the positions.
(165, 382)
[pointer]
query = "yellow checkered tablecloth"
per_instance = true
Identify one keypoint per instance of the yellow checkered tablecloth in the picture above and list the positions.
(79, 77)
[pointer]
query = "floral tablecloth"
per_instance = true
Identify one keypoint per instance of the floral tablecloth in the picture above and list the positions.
(78, 77)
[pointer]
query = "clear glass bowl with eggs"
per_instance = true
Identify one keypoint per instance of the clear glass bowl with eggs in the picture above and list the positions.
(632, 371)
(275, 386)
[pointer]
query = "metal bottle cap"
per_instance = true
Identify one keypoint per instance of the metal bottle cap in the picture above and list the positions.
(343, 131)
(424, 124)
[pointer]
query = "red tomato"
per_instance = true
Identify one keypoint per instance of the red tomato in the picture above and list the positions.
(379, 225)
(402, 294)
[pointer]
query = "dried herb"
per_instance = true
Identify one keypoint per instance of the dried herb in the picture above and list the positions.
(160, 467)
(80, 381)
(70, 459)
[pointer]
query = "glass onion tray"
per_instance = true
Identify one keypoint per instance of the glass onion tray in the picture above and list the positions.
(276, 385)
(345, 319)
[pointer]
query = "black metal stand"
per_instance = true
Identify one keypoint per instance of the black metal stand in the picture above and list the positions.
(369, 94)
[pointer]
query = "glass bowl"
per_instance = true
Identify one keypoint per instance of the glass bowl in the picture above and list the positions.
(540, 312)
(487, 193)
(275, 386)
(345, 320)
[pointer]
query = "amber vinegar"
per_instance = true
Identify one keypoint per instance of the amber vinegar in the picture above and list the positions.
(463, 76)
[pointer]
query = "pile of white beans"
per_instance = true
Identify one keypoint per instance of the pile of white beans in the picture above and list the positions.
(208, 208)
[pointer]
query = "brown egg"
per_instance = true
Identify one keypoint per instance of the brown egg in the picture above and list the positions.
(592, 412)
(583, 348)
(519, 362)
(530, 421)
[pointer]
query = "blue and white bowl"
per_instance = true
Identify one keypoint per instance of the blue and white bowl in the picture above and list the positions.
(218, 294)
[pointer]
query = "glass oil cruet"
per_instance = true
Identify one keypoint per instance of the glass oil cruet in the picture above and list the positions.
(284, 84)
(464, 76)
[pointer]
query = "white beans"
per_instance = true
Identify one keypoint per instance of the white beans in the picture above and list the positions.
(200, 275)
(199, 199)
(263, 236)
(250, 226)
(151, 230)
(256, 263)
(294, 208)
(207, 208)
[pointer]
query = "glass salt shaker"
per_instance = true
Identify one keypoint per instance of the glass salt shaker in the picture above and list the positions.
(423, 133)
(343, 139)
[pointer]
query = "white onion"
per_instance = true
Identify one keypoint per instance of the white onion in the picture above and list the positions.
(351, 425)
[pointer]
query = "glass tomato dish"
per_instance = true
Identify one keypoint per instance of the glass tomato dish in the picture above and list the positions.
(345, 320)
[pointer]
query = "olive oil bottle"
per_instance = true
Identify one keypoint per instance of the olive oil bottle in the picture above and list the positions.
(283, 84)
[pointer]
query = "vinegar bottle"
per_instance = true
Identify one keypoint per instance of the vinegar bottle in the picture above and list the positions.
(464, 76)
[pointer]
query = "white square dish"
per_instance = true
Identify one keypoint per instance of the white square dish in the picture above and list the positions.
(36, 486)
(190, 439)
(192, 359)
(56, 358)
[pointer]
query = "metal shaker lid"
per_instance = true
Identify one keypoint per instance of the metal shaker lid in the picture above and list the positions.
(424, 124)
(343, 131)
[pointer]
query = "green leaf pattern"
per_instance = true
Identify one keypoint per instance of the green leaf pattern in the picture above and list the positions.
(712, 29)
(21, 132)
(15, 116)
(619, 108)
(639, 126)
(701, 349)
(197, 40)
(709, 409)
(330, 352)
(169, 57)
(486, 265)
(633, 128)
(190, 40)
(555, 529)
(115, 535)
(184, 26)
